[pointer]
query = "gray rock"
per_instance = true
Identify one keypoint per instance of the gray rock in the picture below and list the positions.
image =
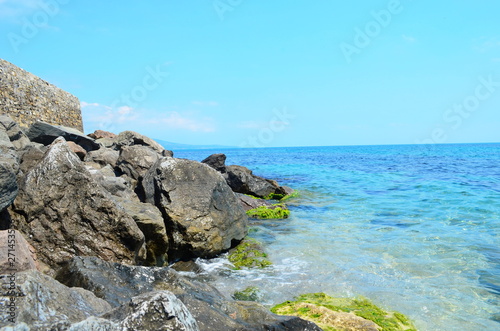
(18, 138)
(216, 161)
(8, 152)
(150, 221)
(248, 202)
(21, 257)
(136, 160)
(103, 156)
(159, 310)
(95, 324)
(212, 311)
(43, 303)
(202, 214)
(45, 133)
(242, 180)
(63, 212)
(8, 184)
(130, 138)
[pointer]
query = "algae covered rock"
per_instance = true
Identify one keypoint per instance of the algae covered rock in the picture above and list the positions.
(248, 254)
(343, 314)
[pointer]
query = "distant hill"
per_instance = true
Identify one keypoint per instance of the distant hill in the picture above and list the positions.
(176, 146)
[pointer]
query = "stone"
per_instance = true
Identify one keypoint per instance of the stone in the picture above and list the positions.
(103, 156)
(45, 304)
(159, 310)
(149, 219)
(249, 203)
(202, 214)
(18, 138)
(8, 184)
(22, 255)
(78, 150)
(63, 212)
(8, 152)
(242, 180)
(45, 133)
(136, 160)
(98, 134)
(130, 138)
(216, 161)
(117, 283)
(116, 186)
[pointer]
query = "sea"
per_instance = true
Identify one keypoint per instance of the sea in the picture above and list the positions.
(413, 228)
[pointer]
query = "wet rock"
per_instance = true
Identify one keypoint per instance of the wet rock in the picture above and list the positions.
(118, 283)
(18, 138)
(22, 256)
(45, 304)
(98, 134)
(45, 133)
(202, 214)
(136, 160)
(160, 310)
(63, 212)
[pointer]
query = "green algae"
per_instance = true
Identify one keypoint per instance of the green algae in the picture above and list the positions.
(248, 254)
(277, 211)
(362, 307)
(281, 197)
(251, 293)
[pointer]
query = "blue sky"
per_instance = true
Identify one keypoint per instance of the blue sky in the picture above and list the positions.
(269, 73)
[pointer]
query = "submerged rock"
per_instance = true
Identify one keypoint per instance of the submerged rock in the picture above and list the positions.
(202, 214)
(64, 212)
(118, 283)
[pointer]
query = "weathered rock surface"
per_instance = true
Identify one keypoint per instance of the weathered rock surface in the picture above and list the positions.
(103, 156)
(63, 212)
(202, 214)
(98, 134)
(216, 161)
(160, 310)
(8, 153)
(22, 256)
(130, 138)
(248, 202)
(45, 304)
(78, 150)
(18, 138)
(136, 160)
(118, 283)
(45, 133)
(8, 184)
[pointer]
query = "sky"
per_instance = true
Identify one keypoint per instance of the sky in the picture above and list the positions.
(269, 73)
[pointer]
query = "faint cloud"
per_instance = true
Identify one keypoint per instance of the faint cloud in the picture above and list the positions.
(184, 122)
(13, 9)
(124, 110)
(97, 114)
(485, 44)
(409, 39)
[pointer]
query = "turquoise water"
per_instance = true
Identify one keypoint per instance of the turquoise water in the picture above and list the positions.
(414, 228)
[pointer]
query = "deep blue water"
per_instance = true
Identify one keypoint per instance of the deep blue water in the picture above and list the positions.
(414, 228)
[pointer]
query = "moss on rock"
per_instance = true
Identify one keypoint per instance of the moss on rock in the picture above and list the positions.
(251, 293)
(343, 314)
(248, 254)
(277, 211)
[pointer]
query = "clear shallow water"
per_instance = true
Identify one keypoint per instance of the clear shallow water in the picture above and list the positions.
(414, 228)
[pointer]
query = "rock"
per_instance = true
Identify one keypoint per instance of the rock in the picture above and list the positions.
(118, 283)
(8, 152)
(160, 310)
(130, 138)
(31, 155)
(18, 138)
(136, 160)
(98, 134)
(116, 186)
(103, 156)
(248, 202)
(242, 180)
(8, 184)
(63, 212)
(77, 149)
(22, 256)
(150, 221)
(216, 161)
(45, 133)
(202, 214)
(45, 304)
(187, 266)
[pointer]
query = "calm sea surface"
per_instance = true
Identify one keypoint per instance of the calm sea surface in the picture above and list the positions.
(413, 228)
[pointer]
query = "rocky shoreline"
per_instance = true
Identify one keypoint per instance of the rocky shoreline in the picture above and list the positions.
(94, 228)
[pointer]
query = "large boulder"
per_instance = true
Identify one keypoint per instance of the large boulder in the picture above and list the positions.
(242, 180)
(131, 138)
(202, 214)
(136, 160)
(64, 212)
(103, 156)
(43, 303)
(16, 135)
(216, 161)
(9, 167)
(46, 133)
(16, 254)
(212, 311)
(98, 134)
